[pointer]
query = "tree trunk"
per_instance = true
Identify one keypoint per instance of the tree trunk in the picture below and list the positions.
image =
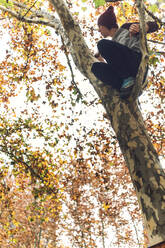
(143, 163)
(141, 158)
(160, 245)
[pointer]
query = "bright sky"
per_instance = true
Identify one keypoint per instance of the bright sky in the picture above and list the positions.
(84, 118)
(4, 39)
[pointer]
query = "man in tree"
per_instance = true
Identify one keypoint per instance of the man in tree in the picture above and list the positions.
(122, 53)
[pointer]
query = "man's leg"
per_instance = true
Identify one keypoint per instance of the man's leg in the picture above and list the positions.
(124, 61)
(105, 73)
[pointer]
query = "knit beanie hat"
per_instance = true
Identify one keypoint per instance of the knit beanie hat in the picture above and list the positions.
(108, 19)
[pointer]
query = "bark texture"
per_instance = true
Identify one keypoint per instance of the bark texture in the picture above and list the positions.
(160, 245)
(141, 158)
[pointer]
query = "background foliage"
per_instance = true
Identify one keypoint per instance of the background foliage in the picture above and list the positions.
(63, 182)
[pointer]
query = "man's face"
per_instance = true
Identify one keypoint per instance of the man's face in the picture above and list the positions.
(104, 31)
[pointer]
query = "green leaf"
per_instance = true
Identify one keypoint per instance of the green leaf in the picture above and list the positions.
(6, 3)
(153, 8)
(99, 3)
(153, 61)
(84, 8)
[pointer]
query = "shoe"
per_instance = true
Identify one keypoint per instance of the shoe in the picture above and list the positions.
(126, 92)
(128, 82)
(126, 87)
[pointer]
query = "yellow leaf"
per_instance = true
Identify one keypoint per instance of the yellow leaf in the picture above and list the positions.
(106, 206)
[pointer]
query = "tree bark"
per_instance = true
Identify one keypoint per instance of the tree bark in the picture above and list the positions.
(141, 158)
(160, 245)
(144, 167)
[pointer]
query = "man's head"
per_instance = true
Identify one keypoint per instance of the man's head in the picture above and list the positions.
(107, 21)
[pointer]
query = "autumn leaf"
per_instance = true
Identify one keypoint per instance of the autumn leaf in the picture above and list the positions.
(99, 3)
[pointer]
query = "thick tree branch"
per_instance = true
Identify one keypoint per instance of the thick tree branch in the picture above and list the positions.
(144, 50)
(82, 56)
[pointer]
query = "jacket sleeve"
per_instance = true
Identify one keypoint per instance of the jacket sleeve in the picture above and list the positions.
(153, 26)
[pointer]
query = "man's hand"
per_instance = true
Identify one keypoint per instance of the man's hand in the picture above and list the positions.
(135, 28)
(98, 56)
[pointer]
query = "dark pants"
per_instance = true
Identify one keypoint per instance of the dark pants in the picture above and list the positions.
(122, 62)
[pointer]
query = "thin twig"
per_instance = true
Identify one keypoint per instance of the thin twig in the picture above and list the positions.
(113, 1)
(157, 42)
(16, 159)
(30, 9)
(135, 228)
(71, 70)
(154, 17)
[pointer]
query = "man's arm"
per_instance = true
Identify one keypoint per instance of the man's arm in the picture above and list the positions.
(134, 27)
(152, 27)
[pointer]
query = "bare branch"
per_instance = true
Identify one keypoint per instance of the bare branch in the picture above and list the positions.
(30, 8)
(113, 1)
(160, 53)
(28, 20)
(35, 13)
(82, 56)
(157, 42)
(71, 70)
(154, 17)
